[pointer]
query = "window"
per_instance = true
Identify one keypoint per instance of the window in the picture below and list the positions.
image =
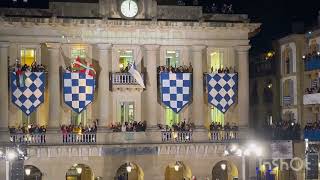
(287, 60)
(216, 115)
(288, 92)
(173, 58)
(267, 92)
(127, 112)
(78, 52)
(216, 60)
(125, 58)
(171, 117)
(76, 118)
(28, 56)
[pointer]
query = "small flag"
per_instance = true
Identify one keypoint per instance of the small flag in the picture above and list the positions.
(133, 71)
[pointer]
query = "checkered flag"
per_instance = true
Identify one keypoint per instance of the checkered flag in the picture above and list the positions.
(78, 90)
(30, 95)
(175, 90)
(222, 90)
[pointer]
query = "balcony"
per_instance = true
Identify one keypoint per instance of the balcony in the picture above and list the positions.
(77, 138)
(309, 99)
(123, 80)
(312, 135)
(176, 137)
(224, 136)
(22, 138)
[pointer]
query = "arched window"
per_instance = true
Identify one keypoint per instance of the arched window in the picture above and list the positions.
(288, 92)
(287, 60)
(267, 92)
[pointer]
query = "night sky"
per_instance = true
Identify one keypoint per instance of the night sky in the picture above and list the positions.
(276, 16)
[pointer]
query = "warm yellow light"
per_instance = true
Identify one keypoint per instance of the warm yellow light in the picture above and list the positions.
(121, 66)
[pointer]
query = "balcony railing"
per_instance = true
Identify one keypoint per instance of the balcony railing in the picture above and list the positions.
(311, 99)
(76, 138)
(124, 79)
(312, 135)
(28, 138)
(287, 100)
(222, 136)
(312, 63)
(177, 137)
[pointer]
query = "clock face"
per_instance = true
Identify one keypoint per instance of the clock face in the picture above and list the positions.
(129, 8)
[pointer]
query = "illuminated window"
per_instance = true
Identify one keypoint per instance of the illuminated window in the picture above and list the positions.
(216, 115)
(76, 118)
(287, 60)
(78, 51)
(127, 112)
(125, 58)
(173, 58)
(171, 117)
(28, 56)
(216, 60)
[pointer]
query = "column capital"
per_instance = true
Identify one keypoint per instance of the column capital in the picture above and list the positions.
(103, 46)
(197, 48)
(4, 44)
(151, 47)
(53, 45)
(242, 49)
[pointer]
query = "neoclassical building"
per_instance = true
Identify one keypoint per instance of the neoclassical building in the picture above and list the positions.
(111, 35)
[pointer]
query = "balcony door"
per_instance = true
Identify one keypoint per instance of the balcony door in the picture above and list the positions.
(127, 112)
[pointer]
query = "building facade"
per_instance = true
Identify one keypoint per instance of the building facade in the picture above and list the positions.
(112, 35)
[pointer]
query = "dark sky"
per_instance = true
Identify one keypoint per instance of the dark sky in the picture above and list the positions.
(276, 16)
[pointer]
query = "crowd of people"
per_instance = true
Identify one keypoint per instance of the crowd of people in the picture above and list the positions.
(181, 126)
(214, 126)
(79, 129)
(28, 129)
(179, 69)
(225, 8)
(129, 126)
(312, 126)
(312, 55)
(283, 130)
(312, 90)
(223, 70)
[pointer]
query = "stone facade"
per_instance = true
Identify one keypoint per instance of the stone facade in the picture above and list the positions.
(102, 31)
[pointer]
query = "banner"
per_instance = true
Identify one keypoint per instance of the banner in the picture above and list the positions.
(222, 90)
(27, 90)
(175, 90)
(78, 90)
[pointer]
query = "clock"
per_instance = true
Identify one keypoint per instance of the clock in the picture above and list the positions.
(129, 8)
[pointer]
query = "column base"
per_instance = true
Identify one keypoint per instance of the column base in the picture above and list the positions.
(153, 128)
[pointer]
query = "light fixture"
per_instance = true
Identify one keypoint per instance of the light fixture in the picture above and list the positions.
(270, 86)
(239, 152)
(121, 66)
(176, 166)
(303, 57)
(11, 155)
(318, 53)
(223, 166)
(79, 170)
(233, 148)
(129, 168)
(226, 153)
(27, 171)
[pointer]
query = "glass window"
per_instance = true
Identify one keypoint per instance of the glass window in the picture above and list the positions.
(173, 58)
(125, 58)
(28, 56)
(76, 118)
(171, 117)
(127, 112)
(216, 60)
(78, 51)
(216, 115)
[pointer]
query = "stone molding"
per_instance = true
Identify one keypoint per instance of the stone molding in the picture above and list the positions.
(4, 44)
(53, 46)
(243, 49)
(104, 46)
(151, 47)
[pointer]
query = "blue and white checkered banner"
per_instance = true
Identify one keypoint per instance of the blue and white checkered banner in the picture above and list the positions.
(27, 90)
(78, 89)
(222, 90)
(175, 90)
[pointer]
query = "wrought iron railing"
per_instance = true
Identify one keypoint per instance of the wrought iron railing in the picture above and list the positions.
(79, 138)
(225, 135)
(177, 136)
(22, 138)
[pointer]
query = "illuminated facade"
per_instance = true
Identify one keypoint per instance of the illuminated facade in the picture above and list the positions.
(156, 35)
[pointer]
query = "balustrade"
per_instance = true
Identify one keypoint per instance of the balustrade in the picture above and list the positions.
(28, 138)
(79, 138)
(178, 136)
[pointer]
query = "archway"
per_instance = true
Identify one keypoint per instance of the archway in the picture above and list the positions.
(224, 170)
(178, 171)
(129, 171)
(32, 173)
(79, 172)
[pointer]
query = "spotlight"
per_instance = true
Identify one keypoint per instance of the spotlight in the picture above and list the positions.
(129, 168)
(223, 166)
(79, 170)
(176, 166)
(27, 171)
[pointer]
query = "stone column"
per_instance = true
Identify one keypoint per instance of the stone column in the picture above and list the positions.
(152, 53)
(243, 85)
(54, 85)
(4, 92)
(198, 101)
(105, 106)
